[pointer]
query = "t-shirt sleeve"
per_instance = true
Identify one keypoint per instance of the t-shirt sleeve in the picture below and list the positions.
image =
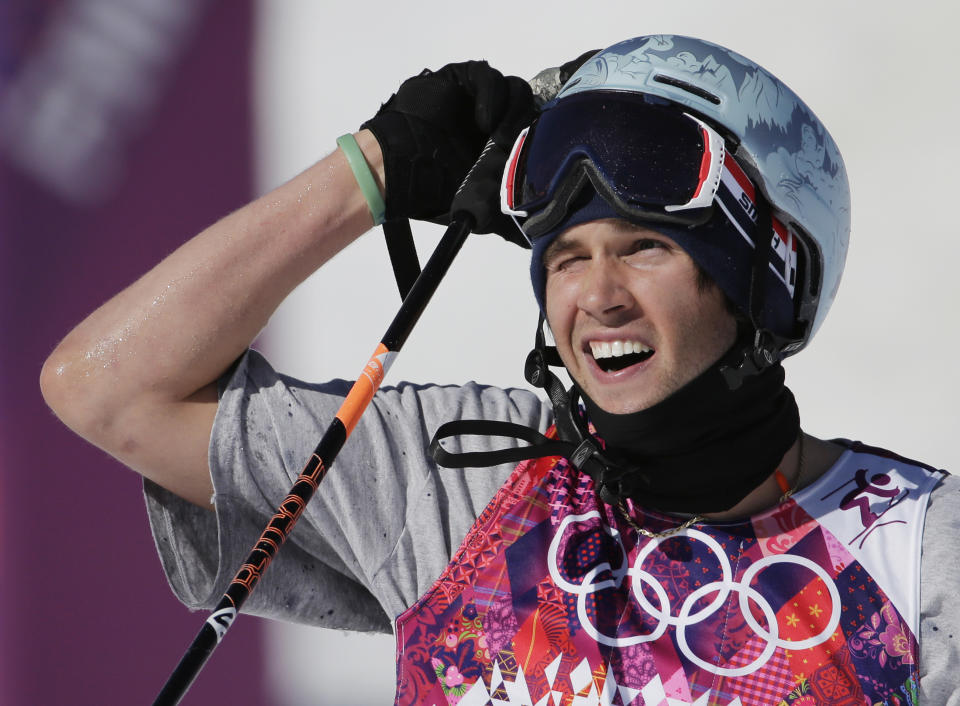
(381, 526)
(939, 609)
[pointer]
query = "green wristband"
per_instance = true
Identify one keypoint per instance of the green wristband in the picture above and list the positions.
(363, 175)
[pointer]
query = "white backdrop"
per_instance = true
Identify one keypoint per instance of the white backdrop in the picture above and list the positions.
(881, 76)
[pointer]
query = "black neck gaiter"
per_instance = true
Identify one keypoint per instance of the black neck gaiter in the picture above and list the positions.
(704, 448)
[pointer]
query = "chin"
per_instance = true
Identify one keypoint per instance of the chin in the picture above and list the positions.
(619, 405)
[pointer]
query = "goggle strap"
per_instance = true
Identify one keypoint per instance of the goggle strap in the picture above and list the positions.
(761, 256)
(557, 209)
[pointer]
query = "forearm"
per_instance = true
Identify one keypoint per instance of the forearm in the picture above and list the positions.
(175, 330)
(137, 377)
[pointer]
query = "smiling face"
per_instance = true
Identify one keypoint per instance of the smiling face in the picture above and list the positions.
(630, 321)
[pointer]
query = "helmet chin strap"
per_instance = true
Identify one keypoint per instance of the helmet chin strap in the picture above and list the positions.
(587, 455)
(537, 372)
(767, 347)
(574, 442)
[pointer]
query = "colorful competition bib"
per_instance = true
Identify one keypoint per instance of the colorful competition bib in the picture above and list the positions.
(554, 599)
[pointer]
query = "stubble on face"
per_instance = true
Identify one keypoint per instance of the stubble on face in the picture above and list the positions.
(631, 283)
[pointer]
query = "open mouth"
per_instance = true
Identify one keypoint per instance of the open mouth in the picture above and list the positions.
(612, 356)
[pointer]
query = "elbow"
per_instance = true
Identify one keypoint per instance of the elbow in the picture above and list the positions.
(91, 400)
(52, 382)
(56, 386)
(68, 392)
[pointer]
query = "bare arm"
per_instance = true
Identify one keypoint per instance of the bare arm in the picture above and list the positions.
(138, 376)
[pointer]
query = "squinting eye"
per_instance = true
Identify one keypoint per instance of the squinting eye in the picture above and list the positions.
(648, 244)
(644, 250)
(568, 264)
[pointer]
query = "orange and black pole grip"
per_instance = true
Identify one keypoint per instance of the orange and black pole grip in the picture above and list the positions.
(280, 526)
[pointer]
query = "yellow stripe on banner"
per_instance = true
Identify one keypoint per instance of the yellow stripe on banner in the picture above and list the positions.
(364, 388)
(533, 640)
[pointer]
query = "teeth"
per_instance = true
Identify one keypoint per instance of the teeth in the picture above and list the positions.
(615, 349)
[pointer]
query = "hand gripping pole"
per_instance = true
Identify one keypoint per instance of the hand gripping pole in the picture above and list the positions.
(280, 526)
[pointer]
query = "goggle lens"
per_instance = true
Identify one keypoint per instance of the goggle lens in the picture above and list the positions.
(649, 160)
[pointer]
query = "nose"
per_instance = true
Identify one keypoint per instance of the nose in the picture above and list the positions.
(604, 293)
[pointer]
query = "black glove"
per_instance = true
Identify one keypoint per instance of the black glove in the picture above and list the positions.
(433, 129)
(484, 179)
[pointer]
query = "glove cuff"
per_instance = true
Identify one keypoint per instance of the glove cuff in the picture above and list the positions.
(413, 181)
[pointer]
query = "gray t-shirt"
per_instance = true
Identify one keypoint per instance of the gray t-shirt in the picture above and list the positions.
(386, 520)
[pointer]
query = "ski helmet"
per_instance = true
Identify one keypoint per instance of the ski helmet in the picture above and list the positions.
(680, 134)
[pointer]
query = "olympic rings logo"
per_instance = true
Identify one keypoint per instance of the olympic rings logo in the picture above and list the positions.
(686, 616)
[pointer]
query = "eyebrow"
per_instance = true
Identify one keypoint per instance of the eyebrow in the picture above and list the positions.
(565, 242)
(560, 245)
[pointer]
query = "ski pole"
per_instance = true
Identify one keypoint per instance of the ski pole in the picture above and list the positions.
(289, 511)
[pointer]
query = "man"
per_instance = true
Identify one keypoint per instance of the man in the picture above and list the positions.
(680, 538)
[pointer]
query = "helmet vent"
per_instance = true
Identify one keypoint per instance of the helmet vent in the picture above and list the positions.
(688, 87)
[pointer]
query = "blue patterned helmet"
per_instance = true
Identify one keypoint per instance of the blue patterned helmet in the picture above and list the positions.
(773, 138)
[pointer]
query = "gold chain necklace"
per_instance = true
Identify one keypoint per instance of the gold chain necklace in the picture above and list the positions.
(656, 535)
(787, 492)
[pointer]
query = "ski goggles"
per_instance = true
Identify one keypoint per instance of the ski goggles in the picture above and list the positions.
(649, 162)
